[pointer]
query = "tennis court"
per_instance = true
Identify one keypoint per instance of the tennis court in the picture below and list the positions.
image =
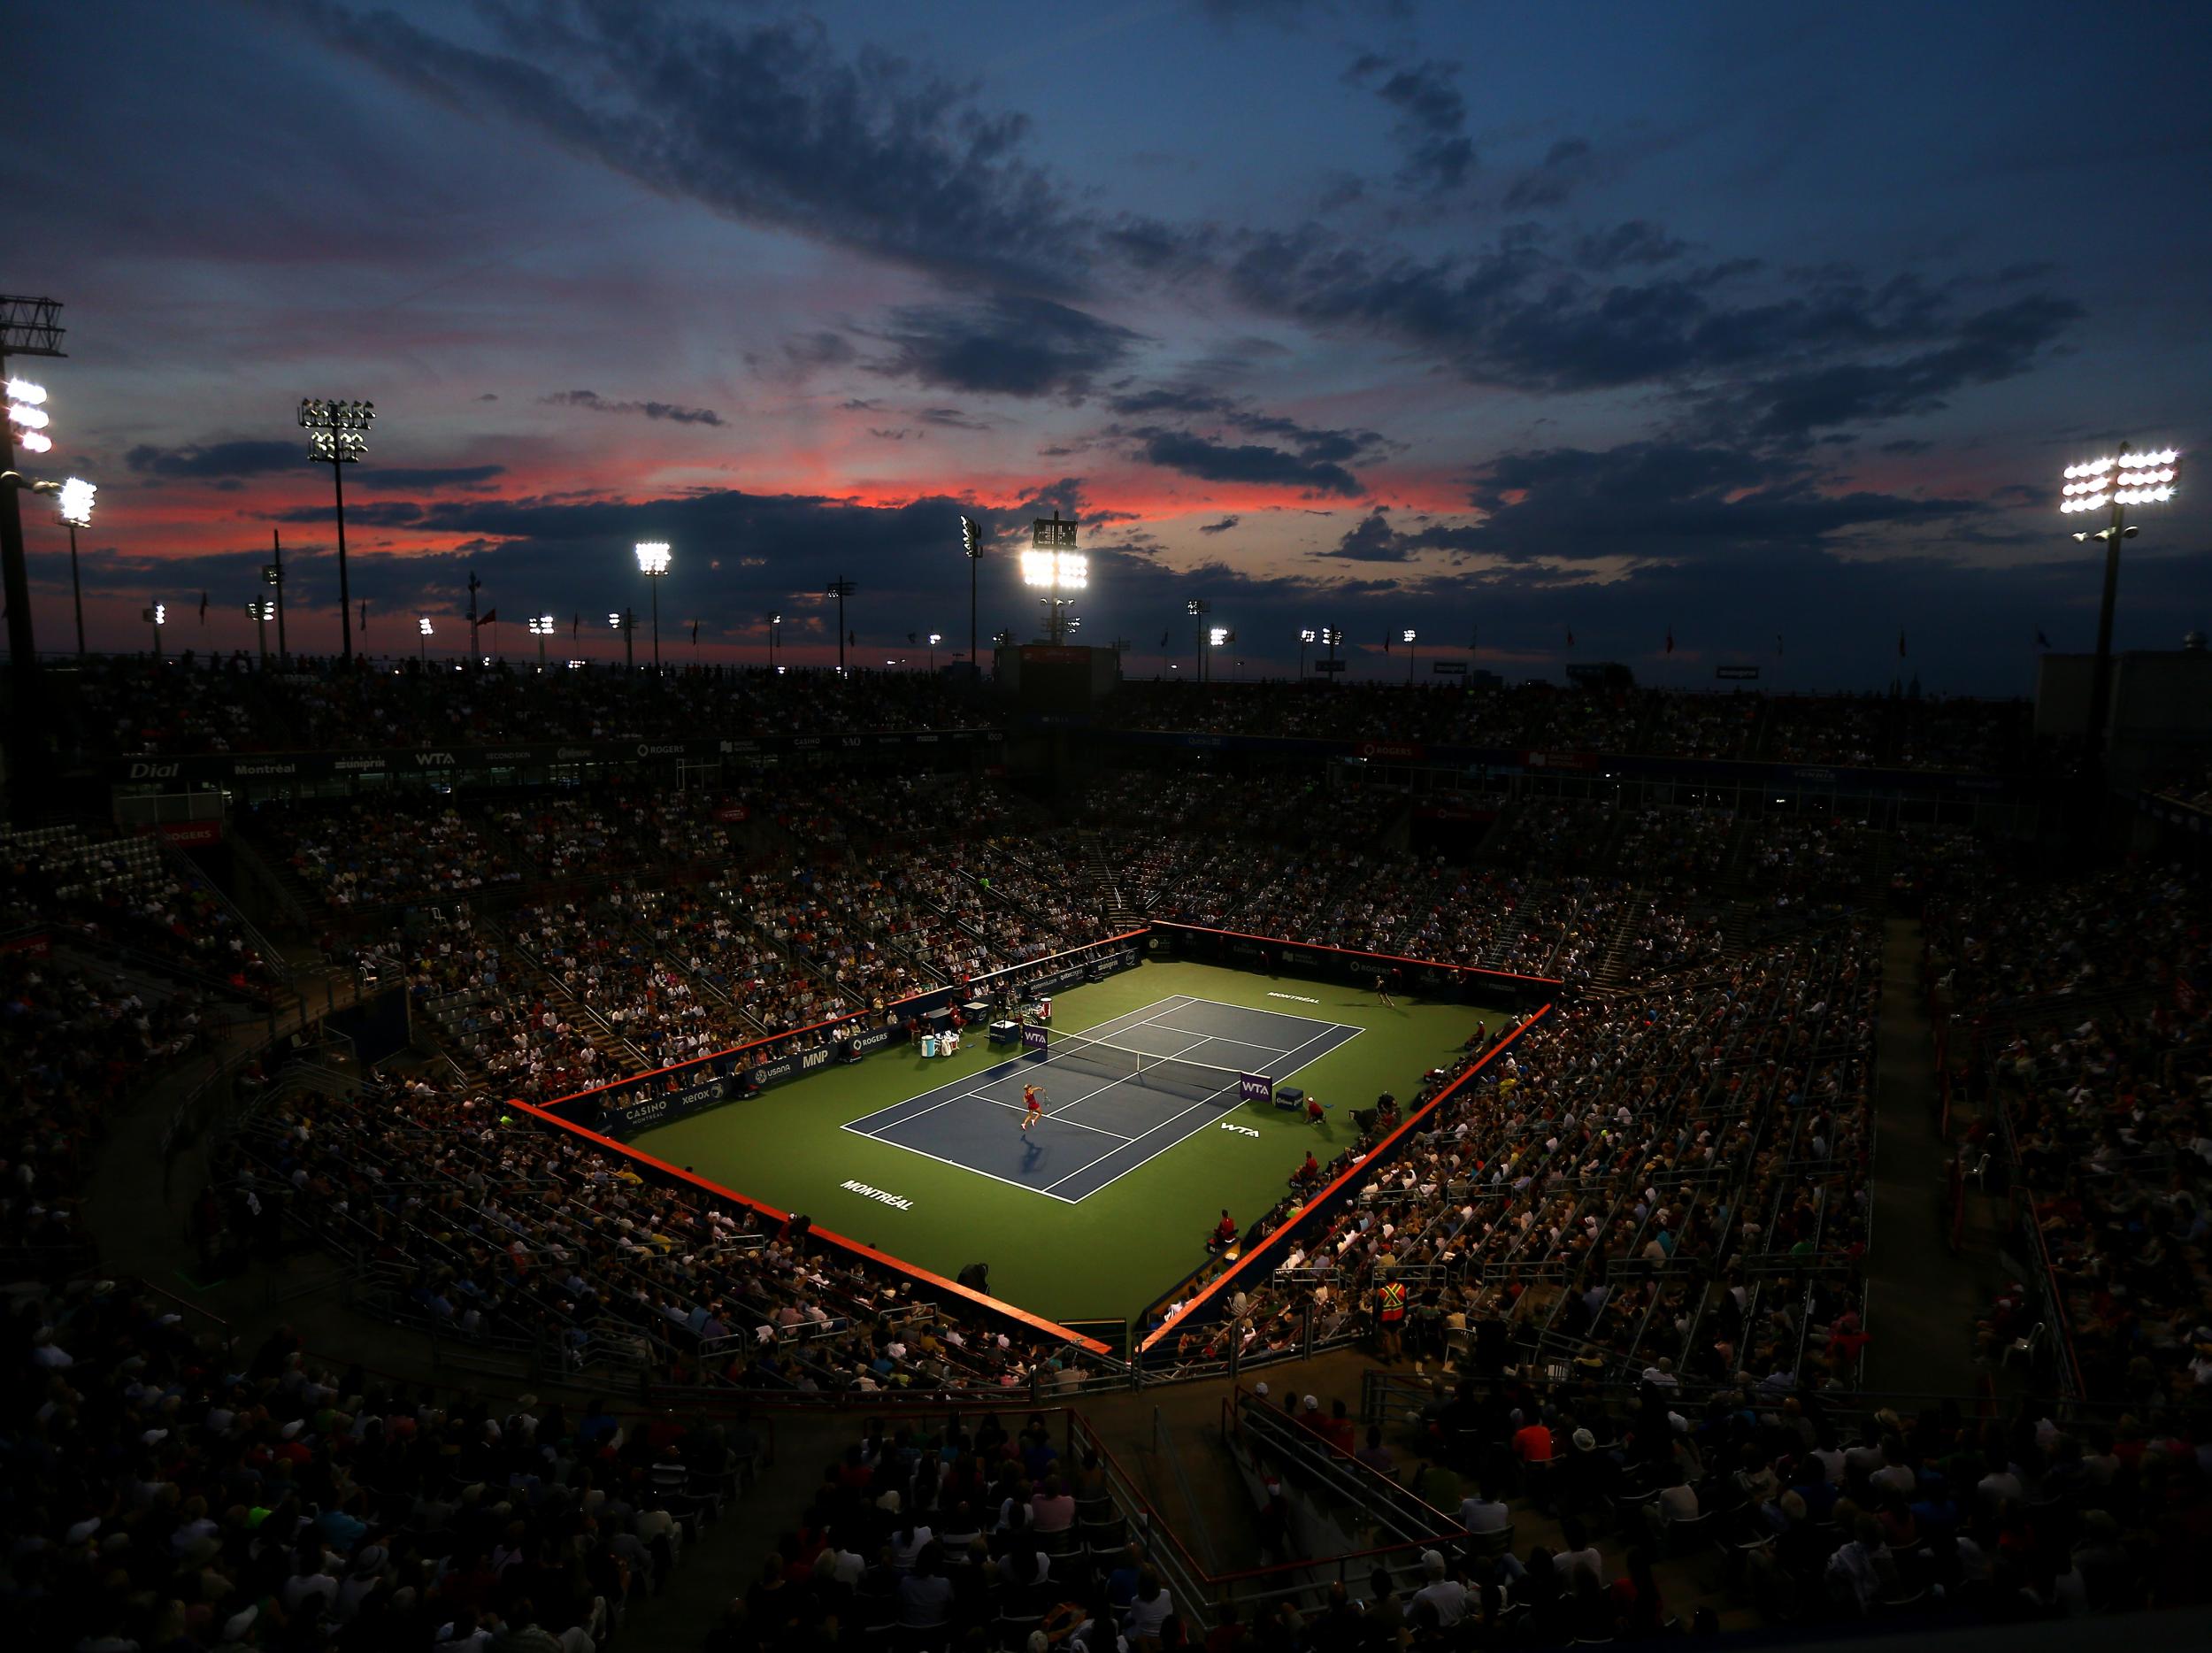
(1116, 1096)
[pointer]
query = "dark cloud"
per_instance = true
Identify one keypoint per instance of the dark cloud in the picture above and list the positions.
(1636, 241)
(1210, 408)
(1907, 445)
(1222, 527)
(951, 419)
(1660, 501)
(369, 514)
(674, 412)
(206, 461)
(1823, 350)
(1372, 540)
(765, 121)
(1983, 349)
(392, 478)
(1566, 165)
(1212, 461)
(1005, 345)
(1430, 125)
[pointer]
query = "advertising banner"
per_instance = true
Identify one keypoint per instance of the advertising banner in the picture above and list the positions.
(1033, 1038)
(1254, 1087)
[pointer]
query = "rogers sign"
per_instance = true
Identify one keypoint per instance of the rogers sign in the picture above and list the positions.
(1405, 750)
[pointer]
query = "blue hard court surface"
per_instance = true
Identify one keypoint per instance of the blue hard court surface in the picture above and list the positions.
(1096, 1129)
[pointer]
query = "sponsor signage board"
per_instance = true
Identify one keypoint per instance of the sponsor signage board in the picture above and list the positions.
(1255, 1088)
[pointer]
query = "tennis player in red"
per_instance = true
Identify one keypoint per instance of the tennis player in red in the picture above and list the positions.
(1032, 1106)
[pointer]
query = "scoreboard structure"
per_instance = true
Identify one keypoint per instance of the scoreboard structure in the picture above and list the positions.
(1057, 679)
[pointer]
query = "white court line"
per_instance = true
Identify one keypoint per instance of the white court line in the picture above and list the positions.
(1121, 1079)
(1015, 1107)
(1026, 1188)
(1148, 1159)
(1245, 1044)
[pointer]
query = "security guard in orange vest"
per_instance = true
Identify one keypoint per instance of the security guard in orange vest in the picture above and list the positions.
(1390, 1313)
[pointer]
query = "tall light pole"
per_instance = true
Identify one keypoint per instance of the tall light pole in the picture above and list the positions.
(840, 588)
(1055, 576)
(625, 622)
(74, 504)
(541, 628)
(1332, 635)
(652, 562)
(972, 541)
(1198, 608)
(261, 611)
(2124, 478)
(1304, 637)
(272, 576)
(775, 626)
(337, 436)
(934, 639)
(156, 616)
(1408, 636)
(422, 626)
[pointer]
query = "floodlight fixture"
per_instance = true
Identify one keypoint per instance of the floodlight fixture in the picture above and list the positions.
(157, 615)
(1306, 635)
(22, 390)
(1217, 636)
(74, 502)
(424, 622)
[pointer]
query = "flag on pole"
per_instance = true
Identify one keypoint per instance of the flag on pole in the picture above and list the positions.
(575, 625)
(1669, 640)
(1385, 643)
(1900, 642)
(365, 613)
(694, 634)
(1164, 640)
(490, 615)
(2041, 642)
(1777, 645)
(202, 608)
(1570, 636)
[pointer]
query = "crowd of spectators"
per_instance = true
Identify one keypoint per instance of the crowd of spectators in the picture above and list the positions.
(1677, 1175)
(132, 707)
(2083, 1007)
(1812, 1510)
(168, 1490)
(505, 1234)
(106, 885)
(74, 1046)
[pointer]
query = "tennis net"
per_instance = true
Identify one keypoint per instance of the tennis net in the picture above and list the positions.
(1095, 1056)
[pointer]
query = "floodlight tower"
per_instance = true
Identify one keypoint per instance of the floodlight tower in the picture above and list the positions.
(337, 436)
(541, 628)
(625, 622)
(840, 588)
(775, 628)
(261, 611)
(422, 626)
(1198, 608)
(72, 504)
(935, 638)
(972, 541)
(2124, 479)
(155, 615)
(1409, 637)
(1305, 636)
(28, 327)
(272, 576)
(1055, 576)
(652, 562)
